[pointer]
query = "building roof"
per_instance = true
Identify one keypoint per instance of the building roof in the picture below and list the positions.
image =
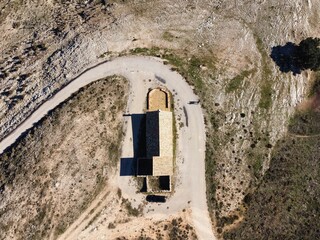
(166, 134)
(162, 166)
(159, 99)
(159, 134)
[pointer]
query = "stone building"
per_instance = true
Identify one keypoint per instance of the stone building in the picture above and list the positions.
(157, 166)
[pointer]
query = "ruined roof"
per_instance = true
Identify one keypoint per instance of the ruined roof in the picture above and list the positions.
(144, 166)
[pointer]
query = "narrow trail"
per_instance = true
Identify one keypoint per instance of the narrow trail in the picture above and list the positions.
(303, 136)
(190, 189)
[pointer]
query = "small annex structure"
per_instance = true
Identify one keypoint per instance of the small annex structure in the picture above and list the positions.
(157, 165)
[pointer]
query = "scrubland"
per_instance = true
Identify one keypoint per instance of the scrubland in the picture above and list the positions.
(254, 148)
(51, 175)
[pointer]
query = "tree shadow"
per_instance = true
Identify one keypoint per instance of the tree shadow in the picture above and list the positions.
(287, 58)
(128, 166)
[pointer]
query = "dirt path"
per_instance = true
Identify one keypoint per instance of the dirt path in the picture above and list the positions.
(85, 218)
(303, 136)
(143, 72)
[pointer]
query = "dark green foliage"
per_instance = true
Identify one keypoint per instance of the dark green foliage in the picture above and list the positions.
(309, 54)
(224, 221)
(315, 88)
(305, 123)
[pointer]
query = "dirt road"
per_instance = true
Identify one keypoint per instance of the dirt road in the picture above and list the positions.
(142, 73)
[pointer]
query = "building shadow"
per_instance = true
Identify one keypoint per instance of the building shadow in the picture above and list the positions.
(287, 58)
(128, 166)
(138, 122)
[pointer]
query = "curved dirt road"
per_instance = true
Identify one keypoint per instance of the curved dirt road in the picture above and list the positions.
(142, 73)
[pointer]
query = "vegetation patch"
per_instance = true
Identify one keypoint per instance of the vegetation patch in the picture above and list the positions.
(305, 123)
(168, 36)
(236, 82)
(266, 83)
(191, 68)
(285, 204)
(135, 212)
(266, 95)
(175, 228)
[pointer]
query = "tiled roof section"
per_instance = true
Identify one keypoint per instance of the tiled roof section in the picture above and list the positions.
(165, 134)
(162, 166)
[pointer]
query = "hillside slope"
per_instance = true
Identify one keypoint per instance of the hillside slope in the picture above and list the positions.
(50, 176)
(222, 48)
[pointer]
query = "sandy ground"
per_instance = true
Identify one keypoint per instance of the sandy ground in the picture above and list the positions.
(190, 186)
(107, 218)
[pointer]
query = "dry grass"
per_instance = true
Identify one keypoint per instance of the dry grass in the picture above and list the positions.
(285, 205)
(52, 173)
(173, 228)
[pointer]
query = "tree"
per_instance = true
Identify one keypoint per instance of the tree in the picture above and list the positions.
(308, 54)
